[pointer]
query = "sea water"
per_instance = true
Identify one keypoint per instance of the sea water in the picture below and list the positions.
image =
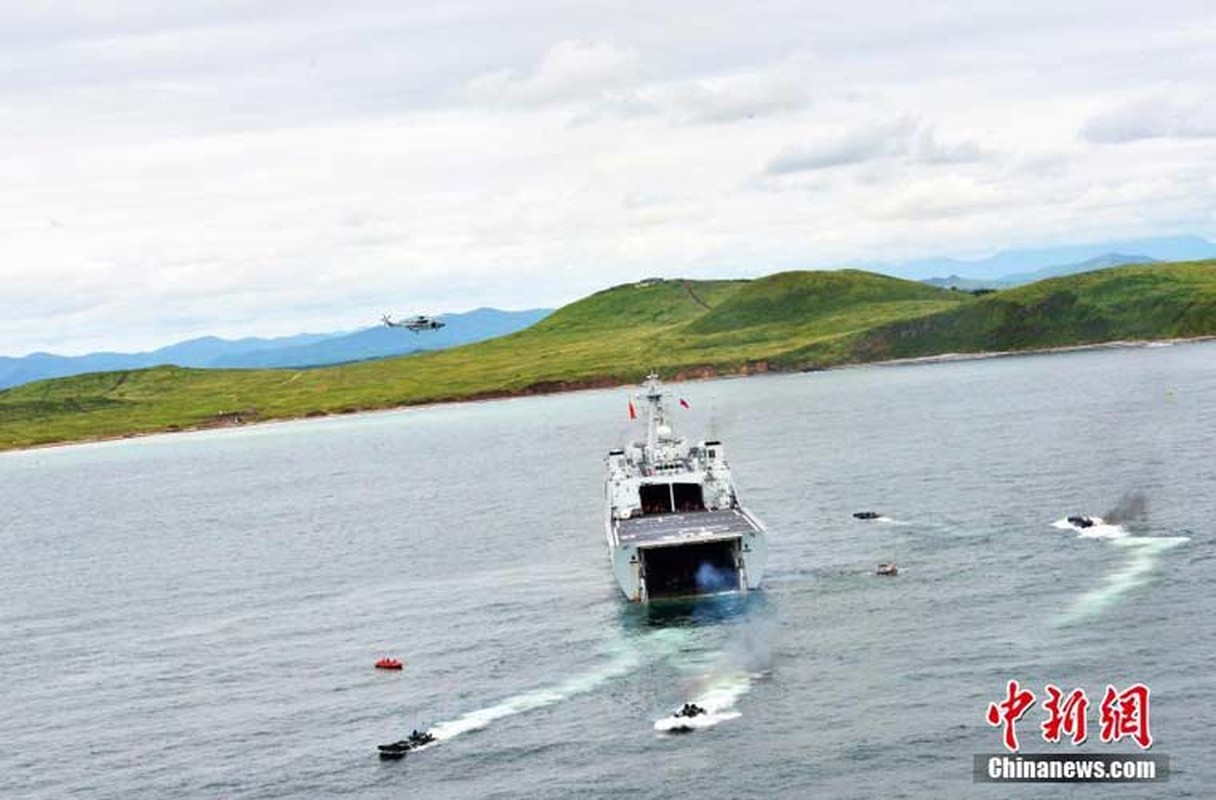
(197, 615)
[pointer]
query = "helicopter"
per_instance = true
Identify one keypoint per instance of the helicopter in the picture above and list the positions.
(415, 324)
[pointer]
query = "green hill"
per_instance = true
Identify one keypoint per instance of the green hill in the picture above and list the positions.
(791, 320)
(1128, 303)
(812, 297)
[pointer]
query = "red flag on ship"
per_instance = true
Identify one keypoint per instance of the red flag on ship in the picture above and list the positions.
(633, 413)
(684, 403)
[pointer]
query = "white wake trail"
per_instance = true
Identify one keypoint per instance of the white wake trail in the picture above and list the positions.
(621, 664)
(1143, 555)
(1100, 529)
(729, 675)
(718, 698)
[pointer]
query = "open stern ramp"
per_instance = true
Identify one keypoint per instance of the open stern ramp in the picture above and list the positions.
(668, 530)
(688, 554)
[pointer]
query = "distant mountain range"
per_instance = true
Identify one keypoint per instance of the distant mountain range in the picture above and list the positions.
(303, 350)
(1015, 267)
(1057, 271)
(381, 341)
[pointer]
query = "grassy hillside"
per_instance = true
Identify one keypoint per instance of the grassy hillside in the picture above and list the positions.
(792, 320)
(789, 297)
(1128, 303)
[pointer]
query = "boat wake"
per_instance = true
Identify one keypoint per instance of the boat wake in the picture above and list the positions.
(1097, 529)
(874, 516)
(718, 701)
(1142, 556)
(729, 675)
(620, 665)
(658, 645)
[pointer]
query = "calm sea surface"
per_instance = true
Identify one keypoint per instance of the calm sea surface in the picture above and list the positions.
(197, 615)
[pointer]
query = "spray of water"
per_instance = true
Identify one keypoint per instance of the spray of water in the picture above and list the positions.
(1143, 554)
(537, 698)
(628, 659)
(733, 673)
(717, 699)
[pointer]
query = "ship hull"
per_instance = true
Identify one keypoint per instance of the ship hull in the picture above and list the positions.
(680, 555)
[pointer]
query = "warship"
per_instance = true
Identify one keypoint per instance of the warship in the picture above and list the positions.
(673, 521)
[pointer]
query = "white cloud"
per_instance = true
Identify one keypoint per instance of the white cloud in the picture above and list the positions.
(218, 168)
(779, 88)
(926, 147)
(598, 81)
(903, 139)
(853, 147)
(734, 97)
(570, 70)
(948, 196)
(1154, 117)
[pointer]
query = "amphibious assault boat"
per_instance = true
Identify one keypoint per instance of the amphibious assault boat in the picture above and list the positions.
(683, 720)
(674, 524)
(400, 749)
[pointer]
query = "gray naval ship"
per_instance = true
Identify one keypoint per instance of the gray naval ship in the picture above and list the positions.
(674, 524)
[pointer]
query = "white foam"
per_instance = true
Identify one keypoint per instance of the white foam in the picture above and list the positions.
(718, 699)
(1143, 554)
(1101, 529)
(674, 724)
(629, 658)
(537, 698)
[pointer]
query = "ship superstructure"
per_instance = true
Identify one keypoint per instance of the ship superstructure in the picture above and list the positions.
(674, 524)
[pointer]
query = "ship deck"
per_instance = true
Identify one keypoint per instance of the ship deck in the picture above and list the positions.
(662, 530)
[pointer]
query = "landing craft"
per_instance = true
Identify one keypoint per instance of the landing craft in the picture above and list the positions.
(674, 525)
(415, 324)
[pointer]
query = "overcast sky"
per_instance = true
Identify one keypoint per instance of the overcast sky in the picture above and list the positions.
(266, 168)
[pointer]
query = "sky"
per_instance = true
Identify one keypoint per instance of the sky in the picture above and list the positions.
(242, 168)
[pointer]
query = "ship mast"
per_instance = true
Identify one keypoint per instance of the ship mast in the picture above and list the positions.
(656, 414)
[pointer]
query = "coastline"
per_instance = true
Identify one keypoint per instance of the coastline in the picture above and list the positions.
(699, 373)
(1118, 344)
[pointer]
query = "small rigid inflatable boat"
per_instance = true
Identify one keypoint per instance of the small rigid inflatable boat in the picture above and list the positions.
(888, 569)
(388, 663)
(401, 748)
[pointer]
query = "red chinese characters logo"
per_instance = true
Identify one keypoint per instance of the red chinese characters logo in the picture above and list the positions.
(1126, 714)
(1066, 717)
(1123, 714)
(1007, 712)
